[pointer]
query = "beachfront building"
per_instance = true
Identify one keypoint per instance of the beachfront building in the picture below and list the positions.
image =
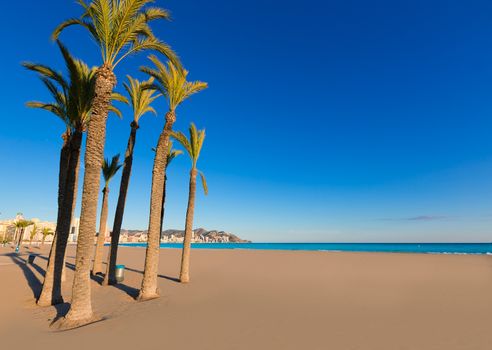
(74, 230)
(8, 231)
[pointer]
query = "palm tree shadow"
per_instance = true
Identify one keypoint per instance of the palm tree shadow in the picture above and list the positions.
(96, 278)
(173, 279)
(131, 291)
(33, 282)
(61, 311)
(62, 308)
(100, 278)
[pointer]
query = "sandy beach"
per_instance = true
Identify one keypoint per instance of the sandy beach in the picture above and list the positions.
(267, 300)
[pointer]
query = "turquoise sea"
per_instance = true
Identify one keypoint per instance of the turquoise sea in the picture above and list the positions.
(430, 248)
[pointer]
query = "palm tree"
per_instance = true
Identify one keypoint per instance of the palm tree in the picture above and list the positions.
(51, 79)
(32, 234)
(109, 170)
(141, 98)
(72, 99)
(193, 147)
(46, 231)
(21, 225)
(120, 28)
(171, 154)
(172, 83)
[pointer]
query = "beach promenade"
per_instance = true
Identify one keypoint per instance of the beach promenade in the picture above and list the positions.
(266, 300)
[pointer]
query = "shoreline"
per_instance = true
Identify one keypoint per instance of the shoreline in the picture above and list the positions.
(408, 248)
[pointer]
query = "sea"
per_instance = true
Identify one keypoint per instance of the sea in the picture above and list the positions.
(425, 248)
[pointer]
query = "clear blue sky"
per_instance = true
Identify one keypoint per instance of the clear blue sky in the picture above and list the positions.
(326, 120)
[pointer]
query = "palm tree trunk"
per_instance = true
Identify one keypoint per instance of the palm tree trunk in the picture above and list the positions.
(110, 277)
(148, 289)
(16, 230)
(81, 307)
(163, 202)
(19, 241)
(42, 241)
(74, 203)
(62, 176)
(97, 268)
(184, 275)
(45, 297)
(51, 292)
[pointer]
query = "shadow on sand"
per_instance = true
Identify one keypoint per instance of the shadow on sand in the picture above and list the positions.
(173, 279)
(33, 282)
(132, 292)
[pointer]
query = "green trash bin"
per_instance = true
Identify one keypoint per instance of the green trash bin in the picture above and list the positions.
(30, 259)
(120, 273)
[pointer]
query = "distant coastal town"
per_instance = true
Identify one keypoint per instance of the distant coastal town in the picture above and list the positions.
(199, 235)
(34, 233)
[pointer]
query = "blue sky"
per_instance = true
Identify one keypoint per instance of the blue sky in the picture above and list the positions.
(326, 120)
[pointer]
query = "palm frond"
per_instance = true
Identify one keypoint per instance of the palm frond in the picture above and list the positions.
(141, 96)
(115, 110)
(50, 107)
(73, 96)
(183, 140)
(111, 167)
(172, 153)
(22, 223)
(46, 231)
(115, 96)
(193, 144)
(76, 21)
(171, 81)
(121, 28)
(204, 183)
(47, 72)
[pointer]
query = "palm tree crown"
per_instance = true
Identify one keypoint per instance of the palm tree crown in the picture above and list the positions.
(141, 97)
(23, 223)
(46, 231)
(171, 82)
(121, 28)
(110, 168)
(193, 147)
(72, 97)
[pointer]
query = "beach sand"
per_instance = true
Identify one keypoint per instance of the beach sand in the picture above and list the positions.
(267, 300)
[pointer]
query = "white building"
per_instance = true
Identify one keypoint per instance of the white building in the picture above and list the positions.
(74, 230)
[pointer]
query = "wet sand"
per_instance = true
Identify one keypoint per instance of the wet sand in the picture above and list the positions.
(266, 300)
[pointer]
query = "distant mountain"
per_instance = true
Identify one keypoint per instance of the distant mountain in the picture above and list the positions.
(200, 235)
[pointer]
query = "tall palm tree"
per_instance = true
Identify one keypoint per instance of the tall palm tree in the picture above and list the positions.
(171, 82)
(46, 231)
(193, 147)
(120, 28)
(171, 154)
(32, 234)
(141, 99)
(57, 86)
(109, 170)
(72, 103)
(21, 225)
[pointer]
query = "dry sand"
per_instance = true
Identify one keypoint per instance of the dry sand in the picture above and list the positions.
(267, 300)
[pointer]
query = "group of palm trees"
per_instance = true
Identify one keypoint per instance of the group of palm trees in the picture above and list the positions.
(83, 100)
(20, 228)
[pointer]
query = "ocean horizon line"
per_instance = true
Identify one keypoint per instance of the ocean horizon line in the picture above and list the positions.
(425, 248)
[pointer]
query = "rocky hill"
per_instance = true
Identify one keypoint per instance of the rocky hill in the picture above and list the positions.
(200, 235)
